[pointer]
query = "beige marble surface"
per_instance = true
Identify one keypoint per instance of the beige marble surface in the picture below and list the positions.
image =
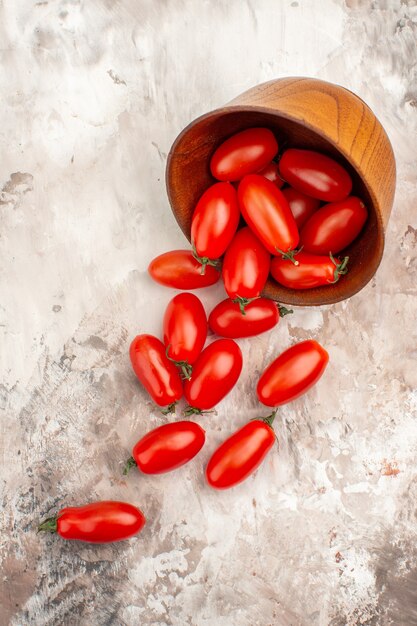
(92, 95)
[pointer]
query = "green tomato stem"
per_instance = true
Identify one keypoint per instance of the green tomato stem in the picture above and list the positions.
(205, 260)
(192, 410)
(243, 302)
(341, 268)
(49, 525)
(283, 311)
(170, 409)
(186, 368)
(289, 255)
(129, 464)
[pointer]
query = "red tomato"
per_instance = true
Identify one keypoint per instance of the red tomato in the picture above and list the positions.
(267, 213)
(315, 174)
(185, 330)
(99, 522)
(156, 372)
(167, 447)
(244, 153)
(301, 206)
(271, 172)
(292, 373)
(181, 270)
(245, 267)
(261, 314)
(215, 373)
(334, 226)
(240, 455)
(311, 271)
(214, 222)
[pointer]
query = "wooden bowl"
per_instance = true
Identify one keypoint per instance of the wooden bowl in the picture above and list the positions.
(306, 113)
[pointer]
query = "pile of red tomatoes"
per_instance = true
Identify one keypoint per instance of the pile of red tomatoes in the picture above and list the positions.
(287, 218)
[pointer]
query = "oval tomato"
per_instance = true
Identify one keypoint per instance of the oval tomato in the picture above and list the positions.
(181, 270)
(267, 213)
(215, 373)
(167, 447)
(156, 372)
(243, 153)
(311, 271)
(185, 330)
(301, 206)
(99, 522)
(292, 373)
(271, 172)
(334, 226)
(245, 267)
(262, 314)
(214, 222)
(240, 455)
(315, 174)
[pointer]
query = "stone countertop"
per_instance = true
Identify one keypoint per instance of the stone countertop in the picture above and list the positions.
(93, 95)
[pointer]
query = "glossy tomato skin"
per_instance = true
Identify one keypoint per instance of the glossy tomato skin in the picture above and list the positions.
(226, 319)
(169, 446)
(180, 270)
(185, 327)
(245, 265)
(100, 522)
(215, 220)
(292, 373)
(154, 370)
(315, 174)
(240, 455)
(243, 153)
(267, 213)
(302, 206)
(215, 373)
(312, 271)
(333, 227)
(271, 172)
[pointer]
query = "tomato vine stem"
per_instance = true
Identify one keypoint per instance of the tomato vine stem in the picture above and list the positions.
(192, 410)
(283, 311)
(243, 302)
(128, 466)
(170, 409)
(290, 254)
(340, 270)
(205, 260)
(49, 525)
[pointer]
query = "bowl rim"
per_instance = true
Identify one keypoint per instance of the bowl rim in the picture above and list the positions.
(240, 108)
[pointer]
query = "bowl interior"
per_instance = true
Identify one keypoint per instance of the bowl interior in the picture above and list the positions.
(188, 175)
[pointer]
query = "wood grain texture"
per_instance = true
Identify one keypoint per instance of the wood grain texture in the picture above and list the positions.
(303, 112)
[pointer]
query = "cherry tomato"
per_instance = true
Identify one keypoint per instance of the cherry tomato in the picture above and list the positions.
(261, 314)
(301, 206)
(185, 330)
(99, 522)
(244, 153)
(245, 267)
(215, 373)
(315, 174)
(156, 372)
(267, 213)
(271, 172)
(240, 455)
(334, 226)
(214, 222)
(181, 270)
(311, 271)
(167, 447)
(292, 373)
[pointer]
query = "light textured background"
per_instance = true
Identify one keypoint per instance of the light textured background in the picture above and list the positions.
(92, 95)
